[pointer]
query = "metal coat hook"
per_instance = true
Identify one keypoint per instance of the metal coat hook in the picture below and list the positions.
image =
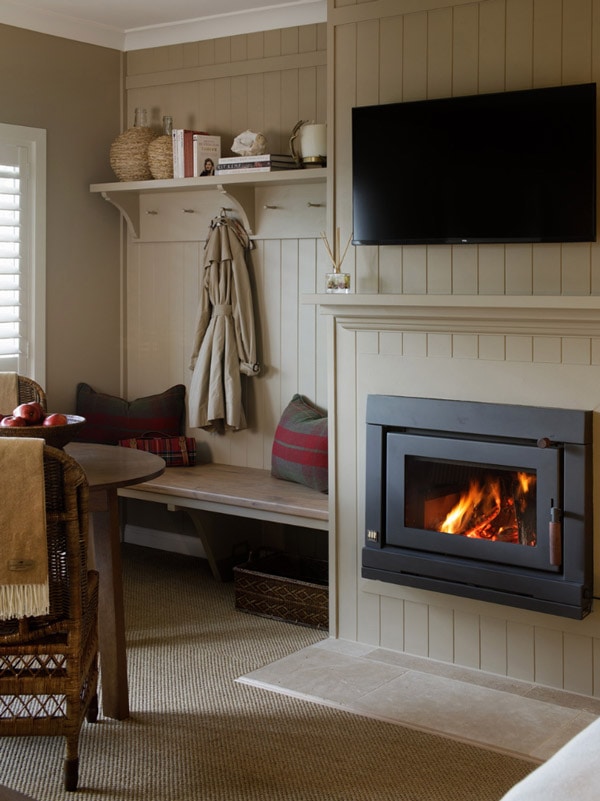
(315, 205)
(189, 211)
(271, 207)
(152, 211)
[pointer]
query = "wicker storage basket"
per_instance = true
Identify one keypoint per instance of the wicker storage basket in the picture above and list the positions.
(284, 587)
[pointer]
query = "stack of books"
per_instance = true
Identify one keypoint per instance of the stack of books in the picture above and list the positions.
(194, 153)
(268, 162)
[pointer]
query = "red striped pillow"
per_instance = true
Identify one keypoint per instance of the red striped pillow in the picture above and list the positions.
(300, 451)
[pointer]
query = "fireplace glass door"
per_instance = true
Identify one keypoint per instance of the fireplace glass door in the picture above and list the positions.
(491, 501)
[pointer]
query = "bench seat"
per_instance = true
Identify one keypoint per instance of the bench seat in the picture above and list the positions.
(229, 489)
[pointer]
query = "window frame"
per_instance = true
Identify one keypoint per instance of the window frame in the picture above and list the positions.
(32, 142)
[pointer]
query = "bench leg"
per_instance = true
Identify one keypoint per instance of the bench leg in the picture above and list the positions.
(226, 541)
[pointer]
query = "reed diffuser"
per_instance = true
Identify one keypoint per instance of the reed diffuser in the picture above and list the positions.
(337, 281)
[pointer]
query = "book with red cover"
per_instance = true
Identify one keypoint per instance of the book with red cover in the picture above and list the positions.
(183, 152)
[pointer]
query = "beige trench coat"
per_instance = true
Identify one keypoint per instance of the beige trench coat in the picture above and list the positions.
(225, 344)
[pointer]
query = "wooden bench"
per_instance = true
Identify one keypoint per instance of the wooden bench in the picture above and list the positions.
(227, 489)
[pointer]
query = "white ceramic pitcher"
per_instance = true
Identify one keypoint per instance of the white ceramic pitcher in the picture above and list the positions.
(308, 143)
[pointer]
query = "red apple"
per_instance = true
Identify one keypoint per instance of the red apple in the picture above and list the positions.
(33, 412)
(55, 419)
(12, 421)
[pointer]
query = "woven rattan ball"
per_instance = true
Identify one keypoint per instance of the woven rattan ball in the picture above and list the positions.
(160, 157)
(129, 154)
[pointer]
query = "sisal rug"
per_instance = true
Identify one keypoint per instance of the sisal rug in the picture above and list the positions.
(196, 734)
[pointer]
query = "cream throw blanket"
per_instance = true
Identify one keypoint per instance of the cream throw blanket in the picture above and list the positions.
(23, 549)
(9, 392)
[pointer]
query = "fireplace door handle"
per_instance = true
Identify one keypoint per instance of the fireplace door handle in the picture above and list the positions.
(555, 536)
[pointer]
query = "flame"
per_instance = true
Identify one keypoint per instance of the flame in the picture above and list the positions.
(486, 511)
(526, 481)
(485, 501)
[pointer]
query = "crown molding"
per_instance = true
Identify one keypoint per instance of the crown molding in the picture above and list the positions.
(285, 15)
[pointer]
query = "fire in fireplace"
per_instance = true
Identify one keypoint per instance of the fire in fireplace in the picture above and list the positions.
(488, 501)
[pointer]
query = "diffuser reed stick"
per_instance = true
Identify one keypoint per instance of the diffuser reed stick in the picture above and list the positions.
(334, 255)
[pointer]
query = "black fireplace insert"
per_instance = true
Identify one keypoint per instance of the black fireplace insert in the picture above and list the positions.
(488, 501)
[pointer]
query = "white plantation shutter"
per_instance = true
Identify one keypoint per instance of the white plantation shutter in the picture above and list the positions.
(22, 260)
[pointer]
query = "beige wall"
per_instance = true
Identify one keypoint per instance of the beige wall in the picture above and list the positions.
(72, 90)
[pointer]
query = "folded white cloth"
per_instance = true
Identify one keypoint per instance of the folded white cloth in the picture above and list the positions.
(9, 392)
(24, 553)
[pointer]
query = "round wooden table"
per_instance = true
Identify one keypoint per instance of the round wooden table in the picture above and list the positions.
(108, 467)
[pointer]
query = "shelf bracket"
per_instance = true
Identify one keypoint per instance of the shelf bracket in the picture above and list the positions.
(128, 204)
(242, 200)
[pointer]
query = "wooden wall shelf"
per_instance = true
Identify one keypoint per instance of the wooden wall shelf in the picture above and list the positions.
(286, 203)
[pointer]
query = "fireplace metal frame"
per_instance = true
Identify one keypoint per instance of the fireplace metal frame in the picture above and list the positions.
(566, 590)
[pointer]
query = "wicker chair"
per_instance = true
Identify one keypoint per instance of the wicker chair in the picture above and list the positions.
(29, 391)
(49, 665)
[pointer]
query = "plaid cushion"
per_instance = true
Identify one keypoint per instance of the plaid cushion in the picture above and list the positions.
(300, 446)
(110, 418)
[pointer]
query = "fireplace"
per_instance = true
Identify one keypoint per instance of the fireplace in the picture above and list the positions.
(487, 501)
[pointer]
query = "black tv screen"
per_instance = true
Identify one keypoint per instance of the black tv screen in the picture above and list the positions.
(503, 167)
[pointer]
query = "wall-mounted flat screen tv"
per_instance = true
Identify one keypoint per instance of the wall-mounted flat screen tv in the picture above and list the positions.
(503, 167)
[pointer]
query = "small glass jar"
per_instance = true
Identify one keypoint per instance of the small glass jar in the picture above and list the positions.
(140, 119)
(337, 282)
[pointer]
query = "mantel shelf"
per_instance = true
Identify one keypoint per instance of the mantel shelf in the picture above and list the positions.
(237, 190)
(544, 315)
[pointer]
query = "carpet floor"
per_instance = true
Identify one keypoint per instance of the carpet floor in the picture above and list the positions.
(197, 734)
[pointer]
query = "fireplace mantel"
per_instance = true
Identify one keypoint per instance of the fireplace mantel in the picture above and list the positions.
(542, 315)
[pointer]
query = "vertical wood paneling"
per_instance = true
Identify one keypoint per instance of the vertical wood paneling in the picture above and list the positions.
(392, 624)
(238, 103)
(548, 657)
(519, 38)
(547, 270)
(441, 633)
(439, 53)
(492, 270)
(416, 628)
(520, 651)
(464, 270)
(255, 105)
(465, 50)
(576, 268)
(547, 43)
(345, 99)
(414, 270)
(519, 269)
(466, 639)
(343, 440)
(439, 270)
(391, 48)
(493, 645)
(414, 51)
(578, 663)
(492, 53)
(289, 303)
(367, 63)
(577, 41)
(390, 270)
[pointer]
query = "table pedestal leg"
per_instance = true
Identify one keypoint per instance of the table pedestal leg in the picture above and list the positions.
(104, 519)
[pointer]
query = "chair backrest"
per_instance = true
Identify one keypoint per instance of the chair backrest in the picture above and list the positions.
(66, 491)
(29, 390)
